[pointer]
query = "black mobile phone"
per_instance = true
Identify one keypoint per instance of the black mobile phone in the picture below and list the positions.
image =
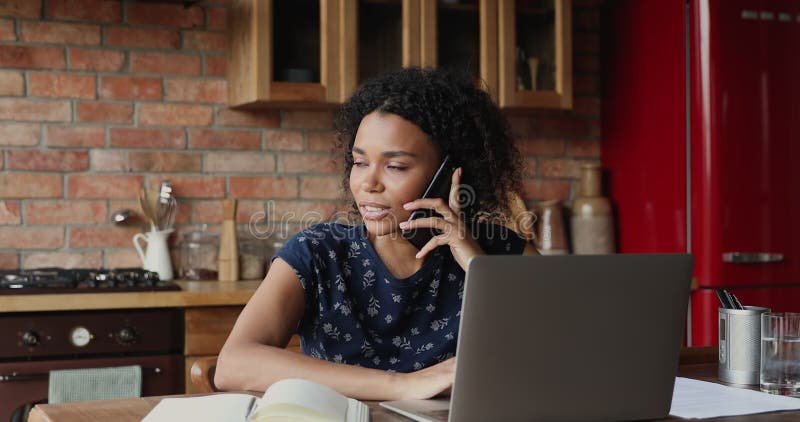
(438, 188)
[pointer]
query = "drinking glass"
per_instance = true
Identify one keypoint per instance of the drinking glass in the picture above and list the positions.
(780, 353)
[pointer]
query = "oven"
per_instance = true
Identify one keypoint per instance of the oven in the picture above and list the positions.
(34, 343)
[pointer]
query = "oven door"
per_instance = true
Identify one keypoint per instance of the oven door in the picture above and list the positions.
(24, 384)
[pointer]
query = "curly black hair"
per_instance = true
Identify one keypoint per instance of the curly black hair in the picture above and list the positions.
(461, 120)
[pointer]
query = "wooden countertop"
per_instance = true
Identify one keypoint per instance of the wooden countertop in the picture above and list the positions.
(193, 294)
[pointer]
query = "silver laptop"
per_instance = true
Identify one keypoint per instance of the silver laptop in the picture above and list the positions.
(592, 337)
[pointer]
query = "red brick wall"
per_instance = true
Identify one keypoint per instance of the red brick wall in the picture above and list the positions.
(100, 96)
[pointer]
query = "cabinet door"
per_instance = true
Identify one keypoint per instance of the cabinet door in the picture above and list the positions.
(377, 36)
(535, 49)
(284, 53)
(462, 35)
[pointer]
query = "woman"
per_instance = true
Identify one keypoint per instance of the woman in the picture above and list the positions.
(378, 318)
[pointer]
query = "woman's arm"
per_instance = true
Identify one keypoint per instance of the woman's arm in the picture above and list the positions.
(254, 357)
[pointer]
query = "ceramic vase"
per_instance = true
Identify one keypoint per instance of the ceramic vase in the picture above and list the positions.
(551, 238)
(592, 216)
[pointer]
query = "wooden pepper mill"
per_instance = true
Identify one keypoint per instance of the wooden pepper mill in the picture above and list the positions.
(228, 246)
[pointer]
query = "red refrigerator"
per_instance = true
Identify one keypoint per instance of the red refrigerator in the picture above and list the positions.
(701, 143)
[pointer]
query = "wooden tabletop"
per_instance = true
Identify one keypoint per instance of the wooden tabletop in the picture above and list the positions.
(133, 410)
(192, 294)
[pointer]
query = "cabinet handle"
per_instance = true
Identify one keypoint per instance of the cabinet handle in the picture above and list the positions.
(752, 257)
(17, 376)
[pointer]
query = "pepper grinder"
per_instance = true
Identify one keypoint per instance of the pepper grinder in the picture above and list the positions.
(228, 247)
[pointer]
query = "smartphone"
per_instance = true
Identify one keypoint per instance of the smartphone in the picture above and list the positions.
(438, 188)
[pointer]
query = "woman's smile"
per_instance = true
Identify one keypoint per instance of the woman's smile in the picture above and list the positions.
(371, 212)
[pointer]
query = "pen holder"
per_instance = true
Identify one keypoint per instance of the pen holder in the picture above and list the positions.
(740, 344)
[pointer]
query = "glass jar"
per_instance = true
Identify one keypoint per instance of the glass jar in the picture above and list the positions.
(199, 251)
(252, 258)
(276, 240)
(274, 244)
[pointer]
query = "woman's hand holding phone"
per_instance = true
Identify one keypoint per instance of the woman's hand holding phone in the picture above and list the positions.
(453, 228)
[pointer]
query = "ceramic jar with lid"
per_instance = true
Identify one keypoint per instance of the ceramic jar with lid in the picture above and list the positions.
(551, 237)
(199, 251)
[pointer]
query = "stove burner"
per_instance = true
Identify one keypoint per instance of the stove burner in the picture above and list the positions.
(81, 280)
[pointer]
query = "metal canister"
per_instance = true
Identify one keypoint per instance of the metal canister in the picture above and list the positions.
(740, 344)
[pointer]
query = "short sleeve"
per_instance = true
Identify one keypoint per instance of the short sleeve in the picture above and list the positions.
(497, 239)
(298, 254)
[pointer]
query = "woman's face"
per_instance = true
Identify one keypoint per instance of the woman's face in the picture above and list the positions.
(393, 162)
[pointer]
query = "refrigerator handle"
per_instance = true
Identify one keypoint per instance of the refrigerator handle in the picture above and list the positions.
(752, 257)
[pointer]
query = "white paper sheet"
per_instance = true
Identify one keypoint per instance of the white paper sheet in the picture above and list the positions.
(695, 399)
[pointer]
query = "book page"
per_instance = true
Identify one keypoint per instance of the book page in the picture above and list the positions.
(228, 407)
(357, 411)
(301, 398)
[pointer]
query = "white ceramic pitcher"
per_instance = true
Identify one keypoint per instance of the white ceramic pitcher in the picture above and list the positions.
(157, 256)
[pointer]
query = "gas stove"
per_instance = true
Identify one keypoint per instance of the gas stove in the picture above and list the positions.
(81, 280)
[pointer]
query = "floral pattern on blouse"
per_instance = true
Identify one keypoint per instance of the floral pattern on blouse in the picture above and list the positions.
(358, 313)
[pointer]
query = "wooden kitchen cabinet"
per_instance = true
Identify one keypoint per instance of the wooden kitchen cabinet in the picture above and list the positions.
(284, 53)
(461, 35)
(206, 329)
(379, 36)
(535, 53)
(493, 40)
(317, 52)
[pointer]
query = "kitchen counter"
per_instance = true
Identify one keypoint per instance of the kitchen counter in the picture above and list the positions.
(193, 294)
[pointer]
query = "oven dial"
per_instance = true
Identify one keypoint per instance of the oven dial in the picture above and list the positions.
(126, 335)
(80, 336)
(30, 338)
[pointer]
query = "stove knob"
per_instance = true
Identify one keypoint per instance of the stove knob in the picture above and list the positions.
(30, 338)
(80, 336)
(126, 335)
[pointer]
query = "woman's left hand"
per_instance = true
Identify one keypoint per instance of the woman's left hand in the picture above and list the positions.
(453, 228)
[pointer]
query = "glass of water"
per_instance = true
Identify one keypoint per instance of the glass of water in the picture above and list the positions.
(780, 353)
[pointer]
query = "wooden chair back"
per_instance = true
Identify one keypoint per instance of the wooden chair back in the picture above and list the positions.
(202, 374)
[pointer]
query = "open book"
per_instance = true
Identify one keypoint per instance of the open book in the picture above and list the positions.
(285, 401)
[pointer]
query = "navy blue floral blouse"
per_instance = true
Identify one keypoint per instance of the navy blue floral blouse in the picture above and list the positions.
(358, 313)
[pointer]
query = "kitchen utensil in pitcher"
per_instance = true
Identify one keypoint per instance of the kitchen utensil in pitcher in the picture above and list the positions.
(148, 201)
(157, 256)
(166, 209)
(126, 217)
(166, 206)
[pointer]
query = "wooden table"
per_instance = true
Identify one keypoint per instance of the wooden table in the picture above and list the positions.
(133, 410)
